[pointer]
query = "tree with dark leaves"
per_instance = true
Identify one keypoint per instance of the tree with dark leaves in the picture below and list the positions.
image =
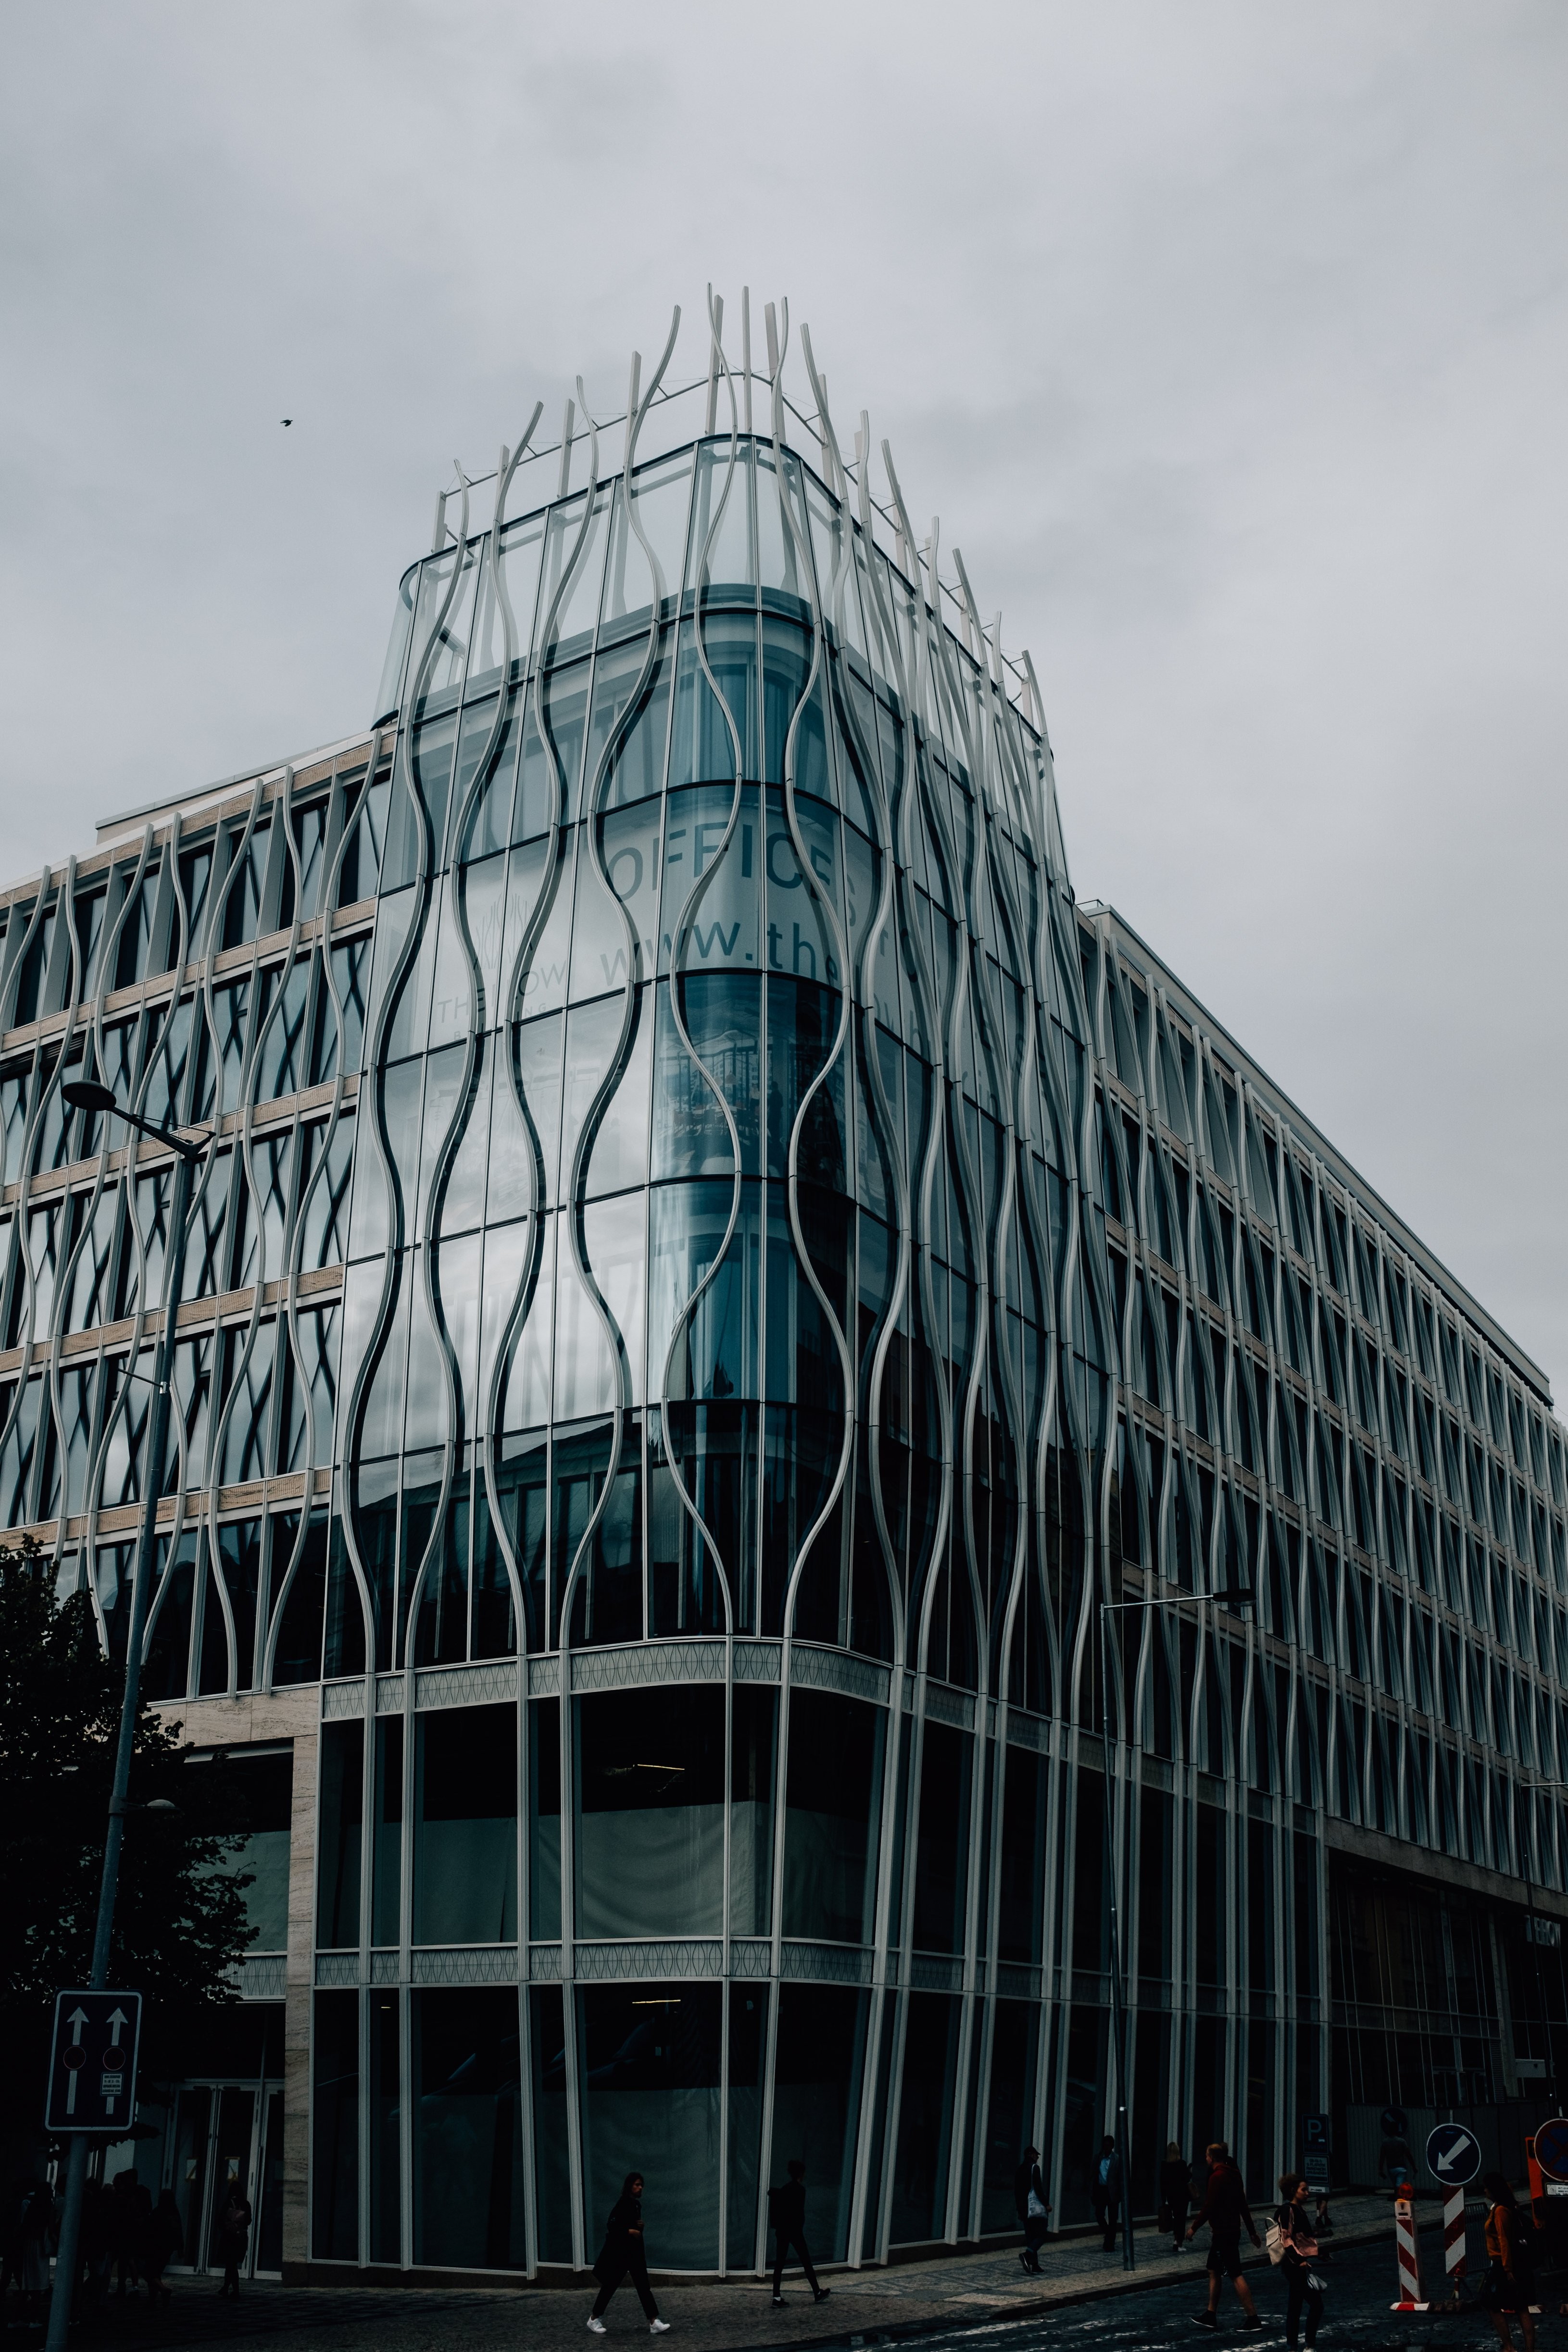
(180, 1928)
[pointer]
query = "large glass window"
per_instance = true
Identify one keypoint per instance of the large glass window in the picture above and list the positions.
(835, 1788)
(334, 2117)
(651, 2075)
(650, 1836)
(816, 2102)
(468, 2129)
(925, 2118)
(465, 1826)
(337, 1832)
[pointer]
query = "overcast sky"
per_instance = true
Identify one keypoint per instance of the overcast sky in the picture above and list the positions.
(1229, 341)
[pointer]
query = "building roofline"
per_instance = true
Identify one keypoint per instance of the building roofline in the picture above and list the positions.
(1348, 1173)
(199, 794)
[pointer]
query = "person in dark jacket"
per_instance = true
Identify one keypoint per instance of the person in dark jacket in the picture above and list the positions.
(1299, 2260)
(1225, 2208)
(1105, 2190)
(1034, 2212)
(622, 2255)
(1174, 2181)
(1510, 2284)
(786, 2212)
(233, 2237)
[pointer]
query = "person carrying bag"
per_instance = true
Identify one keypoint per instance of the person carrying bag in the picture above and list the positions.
(1293, 2243)
(1506, 2289)
(622, 2255)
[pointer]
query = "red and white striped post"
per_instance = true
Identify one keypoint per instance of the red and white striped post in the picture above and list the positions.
(1409, 2256)
(1454, 2236)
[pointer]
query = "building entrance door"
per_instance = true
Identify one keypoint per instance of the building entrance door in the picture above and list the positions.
(228, 2136)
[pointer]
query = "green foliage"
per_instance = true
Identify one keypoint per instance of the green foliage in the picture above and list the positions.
(179, 1923)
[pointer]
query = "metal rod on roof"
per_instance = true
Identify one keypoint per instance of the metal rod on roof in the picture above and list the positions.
(713, 363)
(746, 350)
(566, 424)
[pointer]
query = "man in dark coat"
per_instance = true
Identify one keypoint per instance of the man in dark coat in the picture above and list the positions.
(786, 2212)
(1034, 2212)
(1225, 2208)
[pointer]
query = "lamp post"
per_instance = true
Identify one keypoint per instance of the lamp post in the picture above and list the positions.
(1237, 1596)
(86, 1094)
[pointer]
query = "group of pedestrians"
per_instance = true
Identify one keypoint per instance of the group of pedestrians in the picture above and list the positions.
(128, 2240)
(1217, 2198)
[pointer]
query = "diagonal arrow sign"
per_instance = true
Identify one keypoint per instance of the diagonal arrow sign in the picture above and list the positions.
(1460, 2148)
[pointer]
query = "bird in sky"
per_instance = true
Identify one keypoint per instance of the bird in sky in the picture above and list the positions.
(287, 420)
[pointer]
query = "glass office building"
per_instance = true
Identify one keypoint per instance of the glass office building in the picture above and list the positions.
(711, 1265)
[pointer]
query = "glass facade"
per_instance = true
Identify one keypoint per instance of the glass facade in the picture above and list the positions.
(711, 1266)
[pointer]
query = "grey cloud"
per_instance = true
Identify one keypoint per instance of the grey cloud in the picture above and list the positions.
(1228, 342)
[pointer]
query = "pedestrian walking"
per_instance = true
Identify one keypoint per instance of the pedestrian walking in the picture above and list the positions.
(786, 2212)
(1298, 2258)
(1226, 2210)
(1511, 2269)
(624, 2255)
(1034, 2212)
(1173, 2197)
(233, 2237)
(1105, 2192)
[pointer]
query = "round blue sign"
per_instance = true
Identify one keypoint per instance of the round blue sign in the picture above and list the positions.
(1395, 2122)
(1453, 2155)
(1552, 2149)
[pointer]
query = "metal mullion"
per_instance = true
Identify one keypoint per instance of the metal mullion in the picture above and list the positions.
(406, 1965)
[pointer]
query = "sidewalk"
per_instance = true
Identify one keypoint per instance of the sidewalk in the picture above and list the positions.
(727, 2315)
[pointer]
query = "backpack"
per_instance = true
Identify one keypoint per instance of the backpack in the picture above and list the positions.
(1275, 2243)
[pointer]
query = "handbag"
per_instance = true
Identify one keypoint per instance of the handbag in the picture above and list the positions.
(1273, 2242)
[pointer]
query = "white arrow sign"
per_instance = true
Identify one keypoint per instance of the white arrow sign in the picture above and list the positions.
(76, 2020)
(1460, 2149)
(116, 2018)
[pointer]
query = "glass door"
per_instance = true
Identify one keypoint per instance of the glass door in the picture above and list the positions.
(228, 2136)
(234, 2167)
(189, 2168)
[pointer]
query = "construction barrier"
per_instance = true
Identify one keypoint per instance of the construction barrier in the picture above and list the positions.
(1453, 2255)
(1454, 2235)
(1409, 2256)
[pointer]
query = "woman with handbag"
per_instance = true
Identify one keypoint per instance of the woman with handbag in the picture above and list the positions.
(1510, 2268)
(1298, 2256)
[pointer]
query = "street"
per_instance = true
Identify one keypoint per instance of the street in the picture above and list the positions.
(1084, 2305)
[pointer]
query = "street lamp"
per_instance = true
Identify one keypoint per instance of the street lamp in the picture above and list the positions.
(1233, 1596)
(86, 1094)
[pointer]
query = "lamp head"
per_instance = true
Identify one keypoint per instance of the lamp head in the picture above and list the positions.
(86, 1094)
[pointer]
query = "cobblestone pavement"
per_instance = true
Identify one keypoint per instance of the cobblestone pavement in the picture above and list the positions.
(973, 2303)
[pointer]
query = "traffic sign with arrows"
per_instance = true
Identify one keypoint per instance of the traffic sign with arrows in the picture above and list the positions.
(92, 2064)
(1453, 2155)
